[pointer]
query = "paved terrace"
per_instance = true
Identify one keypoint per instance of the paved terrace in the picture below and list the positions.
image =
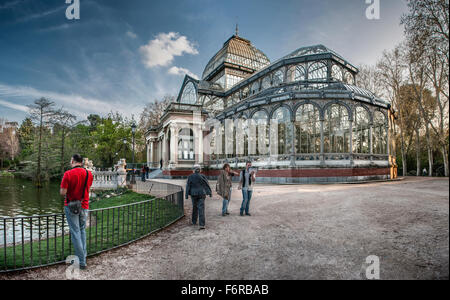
(296, 232)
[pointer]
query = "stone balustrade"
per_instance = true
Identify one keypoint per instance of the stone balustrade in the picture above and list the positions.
(110, 179)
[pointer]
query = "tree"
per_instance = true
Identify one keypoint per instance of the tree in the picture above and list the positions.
(153, 111)
(391, 70)
(427, 30)
(63, 121)
(26, 137)
(108, 138)
(9, 141)
(41, 113)
(369, 78)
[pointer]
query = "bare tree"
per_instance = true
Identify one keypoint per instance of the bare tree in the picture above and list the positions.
(427, 30)
(153, 111)
(391, 71)
(369, 78)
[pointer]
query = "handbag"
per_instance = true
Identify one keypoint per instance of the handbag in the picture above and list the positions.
(75, 205)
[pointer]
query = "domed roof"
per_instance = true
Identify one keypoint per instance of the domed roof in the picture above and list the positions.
(240, 52)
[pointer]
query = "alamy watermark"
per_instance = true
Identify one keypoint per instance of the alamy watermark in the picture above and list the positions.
(373, 10)
(73, 268)
(373, 267)
(73, 10)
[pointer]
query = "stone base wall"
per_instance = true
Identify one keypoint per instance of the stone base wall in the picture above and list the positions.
(299, 176)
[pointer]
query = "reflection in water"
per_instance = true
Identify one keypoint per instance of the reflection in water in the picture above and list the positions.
(19, 197)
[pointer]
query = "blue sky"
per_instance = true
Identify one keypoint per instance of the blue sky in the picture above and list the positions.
(122, 54)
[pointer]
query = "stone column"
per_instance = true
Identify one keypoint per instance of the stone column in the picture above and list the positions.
(173, 145)
(148, 143)
(197, 122)
(164, 154)
(200, 145)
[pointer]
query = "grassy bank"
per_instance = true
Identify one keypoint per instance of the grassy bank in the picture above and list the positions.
(113, 222)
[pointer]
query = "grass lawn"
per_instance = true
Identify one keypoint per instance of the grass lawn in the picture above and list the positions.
(111, 222)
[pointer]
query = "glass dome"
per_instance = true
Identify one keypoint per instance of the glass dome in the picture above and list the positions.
(239, 52)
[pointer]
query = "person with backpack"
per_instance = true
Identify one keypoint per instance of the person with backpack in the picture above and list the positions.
(75, 187)
(246, 180)
(224, 187)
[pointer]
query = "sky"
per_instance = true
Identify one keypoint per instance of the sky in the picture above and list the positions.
(121, 54)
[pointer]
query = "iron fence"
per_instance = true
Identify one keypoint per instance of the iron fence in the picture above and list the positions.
(37, 241)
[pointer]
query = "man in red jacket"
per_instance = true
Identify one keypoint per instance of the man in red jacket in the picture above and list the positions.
(72, 186)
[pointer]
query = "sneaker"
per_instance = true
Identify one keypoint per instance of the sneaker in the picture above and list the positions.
(248, 214)
(241, 214)
(201, 228)
(83, 267)
(227, 213)
(223, 215)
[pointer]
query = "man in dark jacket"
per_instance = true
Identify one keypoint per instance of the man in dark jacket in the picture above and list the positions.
(197, 187)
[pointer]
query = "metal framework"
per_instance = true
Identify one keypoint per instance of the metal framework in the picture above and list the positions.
(324, 119)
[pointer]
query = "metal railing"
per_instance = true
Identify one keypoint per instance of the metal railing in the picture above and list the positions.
(37, 241)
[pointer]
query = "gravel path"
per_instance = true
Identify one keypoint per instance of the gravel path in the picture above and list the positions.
(295, 232)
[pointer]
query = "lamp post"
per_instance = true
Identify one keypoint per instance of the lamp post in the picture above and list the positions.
(133, 131)
(124, 140)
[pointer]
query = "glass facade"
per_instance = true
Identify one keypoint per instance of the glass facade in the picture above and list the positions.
(282, 118)
(307, 129)
(189, 95)
(336, 129)
(186, 144)
(361, 131)
(379, 133)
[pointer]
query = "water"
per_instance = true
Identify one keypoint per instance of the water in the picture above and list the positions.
(20, 198)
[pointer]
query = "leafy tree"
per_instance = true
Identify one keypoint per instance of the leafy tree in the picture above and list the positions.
(41, 113)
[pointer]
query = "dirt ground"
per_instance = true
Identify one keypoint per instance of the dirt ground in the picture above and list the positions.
(295, 232)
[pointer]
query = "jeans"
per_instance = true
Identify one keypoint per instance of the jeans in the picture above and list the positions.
(225, 204)
(77, 226)
(246, 197)
(198, 210)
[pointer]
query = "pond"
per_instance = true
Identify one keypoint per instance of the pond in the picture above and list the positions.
(20, 198)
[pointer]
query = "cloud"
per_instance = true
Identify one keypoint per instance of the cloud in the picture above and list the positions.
(40, 14)
(131, 34)
(79, 105)
(14, 106)
(54, 28)
(162, 50)
(181, 71)
(9, 4)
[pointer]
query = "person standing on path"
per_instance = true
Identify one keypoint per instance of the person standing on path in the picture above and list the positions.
(143, 172)
(224, 187)
(197, 187)
(246, 179)
(147, 171)
(75, 186)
